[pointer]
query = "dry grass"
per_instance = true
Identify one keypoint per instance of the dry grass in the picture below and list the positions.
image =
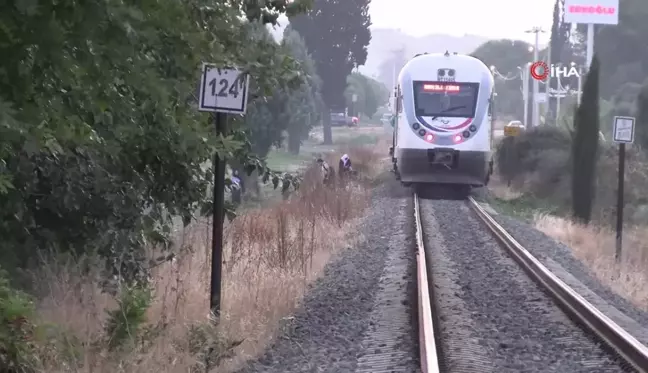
(595, 245)
(596, 248)
(271, 256)
(501, 191)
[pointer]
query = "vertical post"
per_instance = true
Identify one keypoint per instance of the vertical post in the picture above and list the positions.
(590, 44)
(558, 96)
(536, 83)
(580, 87)
(547, 104)
(525, 94)
(218, 214)
(620, 192)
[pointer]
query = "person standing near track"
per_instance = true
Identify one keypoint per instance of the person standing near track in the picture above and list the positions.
(237, 188)
(345, 166)
(327, 172)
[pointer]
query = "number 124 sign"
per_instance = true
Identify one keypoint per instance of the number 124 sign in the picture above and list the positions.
(223, 90)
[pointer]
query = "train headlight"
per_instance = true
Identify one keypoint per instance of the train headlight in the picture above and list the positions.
(466, 134)
(458, 138)
(472, 128)
(422, 132)
(429, 137)
(416, 126)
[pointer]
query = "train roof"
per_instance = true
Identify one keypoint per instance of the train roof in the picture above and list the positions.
(427, 66)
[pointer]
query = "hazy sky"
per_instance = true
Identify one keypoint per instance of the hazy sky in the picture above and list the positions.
(490, 18)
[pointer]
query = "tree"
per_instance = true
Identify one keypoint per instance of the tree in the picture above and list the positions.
(560, 33)
(641, 109)
(623, 59)
(508, 56)
(100, 141)
(390, 68)
(337, 34)
(369, 93)
(302, 104)
(585, 146)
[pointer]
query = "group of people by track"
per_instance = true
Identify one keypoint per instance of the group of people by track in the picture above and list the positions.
(345, 173)
(345, 170)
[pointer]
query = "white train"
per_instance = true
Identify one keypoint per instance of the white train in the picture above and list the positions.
(443, 121)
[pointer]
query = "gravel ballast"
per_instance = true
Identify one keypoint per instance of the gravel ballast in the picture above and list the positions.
(560, 260)
(493, 318)
(341, 322)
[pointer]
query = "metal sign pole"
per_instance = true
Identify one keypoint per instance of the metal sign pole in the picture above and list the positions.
(624, 128)
(218, 216)
(222, 91)
(619, 207)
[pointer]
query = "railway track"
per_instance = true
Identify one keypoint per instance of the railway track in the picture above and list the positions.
(447, 343)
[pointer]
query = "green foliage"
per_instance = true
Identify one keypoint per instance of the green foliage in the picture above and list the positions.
(100, 141)
(585, 147)
(560, 33)
(641, 106)
(617, 47)
(17, 351)
(126, 321)
(371, 94)
(337, 34)
(540, 153)
(302, 105)
(508, 56)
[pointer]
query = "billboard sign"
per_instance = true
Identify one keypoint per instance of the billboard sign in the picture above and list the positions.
(598, 12)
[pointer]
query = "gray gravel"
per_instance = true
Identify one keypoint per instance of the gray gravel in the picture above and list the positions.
(493, 317)
(572, 271)
(341, 325)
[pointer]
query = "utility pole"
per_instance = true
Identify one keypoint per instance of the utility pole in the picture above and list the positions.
(524, 75)
(536, 88)
(590, 44)
(548, 86)
(397, 57)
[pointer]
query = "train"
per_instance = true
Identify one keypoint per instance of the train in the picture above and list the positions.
(443, 121)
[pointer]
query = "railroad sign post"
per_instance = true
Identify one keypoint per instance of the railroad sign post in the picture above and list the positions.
(624, 132)
(222, 91)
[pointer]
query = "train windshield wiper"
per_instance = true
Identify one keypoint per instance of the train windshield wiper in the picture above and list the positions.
(449, 110)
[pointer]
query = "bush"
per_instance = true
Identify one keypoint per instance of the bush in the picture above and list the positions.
(536, 160)
(539, 165)
(271, 255)
(17, 350)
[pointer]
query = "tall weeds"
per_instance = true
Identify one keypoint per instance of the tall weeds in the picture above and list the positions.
(271, 255)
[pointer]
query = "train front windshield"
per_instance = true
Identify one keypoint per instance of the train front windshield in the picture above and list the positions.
(445, 99)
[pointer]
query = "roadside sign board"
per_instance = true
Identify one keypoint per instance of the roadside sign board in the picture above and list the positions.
(223, 90)
(598, 12)
(512, 130)
(624, 129)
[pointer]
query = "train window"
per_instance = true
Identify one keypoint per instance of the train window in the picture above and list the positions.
(446, 99)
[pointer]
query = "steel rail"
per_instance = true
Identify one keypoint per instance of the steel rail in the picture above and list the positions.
(427, 344)
(628, 347)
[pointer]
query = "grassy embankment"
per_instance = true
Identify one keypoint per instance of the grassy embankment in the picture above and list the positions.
(272, 254)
